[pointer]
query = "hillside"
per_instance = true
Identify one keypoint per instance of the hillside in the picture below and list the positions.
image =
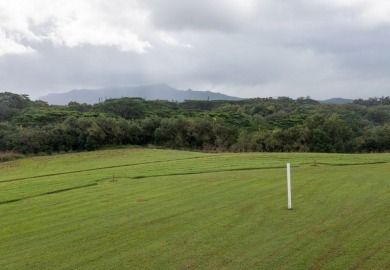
(147, 92)
(164, 209)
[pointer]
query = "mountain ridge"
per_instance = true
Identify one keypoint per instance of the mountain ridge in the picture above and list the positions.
(147, 92)
(337, 101)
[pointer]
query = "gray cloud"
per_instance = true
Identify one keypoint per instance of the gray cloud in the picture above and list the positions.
(245, 48)
(201, 15)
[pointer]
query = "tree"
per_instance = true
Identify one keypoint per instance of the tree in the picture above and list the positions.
(11, 104)
(6, 112)
(172, 132)
(27, 141)
(148, 128)
(378, 116)
(339, 133)
(14, 100)
(200, 133)
(127, 108)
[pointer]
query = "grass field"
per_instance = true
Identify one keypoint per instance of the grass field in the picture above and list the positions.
(163, 209)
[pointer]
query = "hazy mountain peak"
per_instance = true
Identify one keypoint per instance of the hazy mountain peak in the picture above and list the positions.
(337, 101)
(148, 92)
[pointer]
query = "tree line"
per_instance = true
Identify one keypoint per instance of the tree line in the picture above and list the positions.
(260, 124)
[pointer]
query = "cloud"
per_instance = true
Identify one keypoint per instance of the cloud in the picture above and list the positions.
(367, 13)
(221, 15)
(10, 46)
(321, 48)
(73, 23)
(173, 41)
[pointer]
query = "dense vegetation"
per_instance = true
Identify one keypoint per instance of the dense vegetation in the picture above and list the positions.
(260, 124)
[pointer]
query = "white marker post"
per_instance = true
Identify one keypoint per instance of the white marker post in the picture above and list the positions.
(289, 186)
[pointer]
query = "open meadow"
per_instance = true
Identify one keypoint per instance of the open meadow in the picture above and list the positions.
(165, 209)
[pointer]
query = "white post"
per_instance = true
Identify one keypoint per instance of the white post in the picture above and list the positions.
(289, 186)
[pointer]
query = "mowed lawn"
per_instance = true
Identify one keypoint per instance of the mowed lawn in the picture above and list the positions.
(165, 209)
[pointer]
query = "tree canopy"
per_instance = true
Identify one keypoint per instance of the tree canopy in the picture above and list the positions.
(260, 124)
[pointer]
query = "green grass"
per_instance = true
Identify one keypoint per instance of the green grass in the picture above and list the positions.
(185, 210)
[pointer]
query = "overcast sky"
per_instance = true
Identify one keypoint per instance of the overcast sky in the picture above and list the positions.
(245, 48)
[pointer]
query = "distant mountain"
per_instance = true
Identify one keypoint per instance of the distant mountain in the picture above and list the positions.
(337, 101)
(148, 92)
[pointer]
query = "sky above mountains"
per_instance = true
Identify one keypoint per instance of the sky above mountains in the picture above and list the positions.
(245, 48)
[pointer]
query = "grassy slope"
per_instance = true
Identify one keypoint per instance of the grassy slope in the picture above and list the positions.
(172, 209)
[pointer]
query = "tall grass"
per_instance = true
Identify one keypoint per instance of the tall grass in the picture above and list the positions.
(10, 156)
